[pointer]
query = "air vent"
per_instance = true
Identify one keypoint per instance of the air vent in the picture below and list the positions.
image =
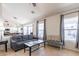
(15, 17)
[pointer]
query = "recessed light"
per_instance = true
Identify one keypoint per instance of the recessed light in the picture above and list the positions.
(15, 17)
(34, 4)
(32, 12)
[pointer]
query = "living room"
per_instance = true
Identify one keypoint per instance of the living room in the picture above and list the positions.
(39, 27)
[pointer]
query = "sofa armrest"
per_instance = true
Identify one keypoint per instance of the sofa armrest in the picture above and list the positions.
(35, 38)
(13, 41)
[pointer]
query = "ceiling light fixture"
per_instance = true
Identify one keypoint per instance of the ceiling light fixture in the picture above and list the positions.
(34, 4)
(15, 17)
(32, 12)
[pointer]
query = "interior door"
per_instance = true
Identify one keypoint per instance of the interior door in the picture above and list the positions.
(70, 30)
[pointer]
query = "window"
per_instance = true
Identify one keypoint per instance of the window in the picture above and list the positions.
(27, 29)
(70, 30)
(70, 26)
(40, 29)
(1, 32)
(20, 30)
(13, 29)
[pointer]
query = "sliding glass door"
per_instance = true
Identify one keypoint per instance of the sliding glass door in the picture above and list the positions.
(70, 30)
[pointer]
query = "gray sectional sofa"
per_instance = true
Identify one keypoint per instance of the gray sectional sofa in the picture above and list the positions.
(17, 42)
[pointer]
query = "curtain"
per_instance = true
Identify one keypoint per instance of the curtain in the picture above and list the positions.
(44, 34)
(62, 28)
(37, 29)
(77, 41)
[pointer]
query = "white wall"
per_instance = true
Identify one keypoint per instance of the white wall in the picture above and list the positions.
(0, 10)
(53, 25)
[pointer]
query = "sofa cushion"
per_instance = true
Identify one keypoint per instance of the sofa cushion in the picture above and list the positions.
(30, 37)
(22, 42)
(17, 38)
(25, 37)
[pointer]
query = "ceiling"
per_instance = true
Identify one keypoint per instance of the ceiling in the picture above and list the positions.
(22, 13)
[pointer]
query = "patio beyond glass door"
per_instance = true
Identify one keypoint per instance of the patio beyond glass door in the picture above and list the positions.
(70, 30)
